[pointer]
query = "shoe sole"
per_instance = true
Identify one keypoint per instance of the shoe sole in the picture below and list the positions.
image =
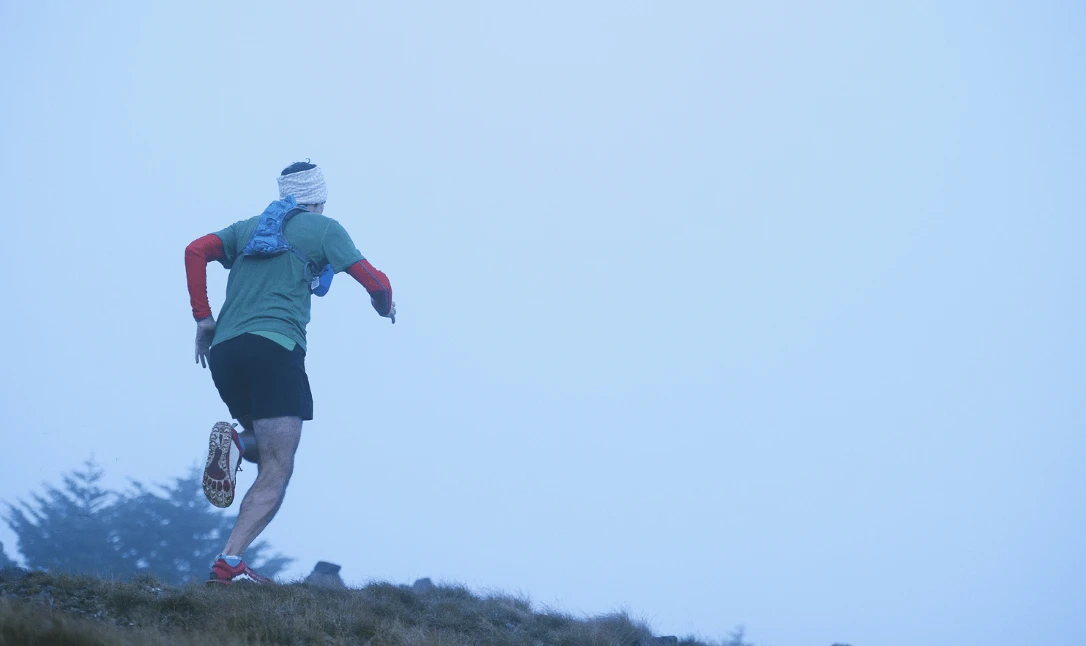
(220, 489)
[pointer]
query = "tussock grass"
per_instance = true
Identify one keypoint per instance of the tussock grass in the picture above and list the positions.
(85, 611)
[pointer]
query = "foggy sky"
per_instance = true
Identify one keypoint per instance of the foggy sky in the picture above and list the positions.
(715, 312)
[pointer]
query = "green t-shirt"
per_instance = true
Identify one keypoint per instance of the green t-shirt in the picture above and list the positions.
(271, 295)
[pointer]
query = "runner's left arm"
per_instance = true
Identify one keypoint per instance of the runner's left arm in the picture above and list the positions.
(200, 252)
(376, 283)
(343, 255)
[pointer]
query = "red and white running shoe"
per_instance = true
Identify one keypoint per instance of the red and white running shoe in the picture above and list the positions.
(223, 572)
(223, 460)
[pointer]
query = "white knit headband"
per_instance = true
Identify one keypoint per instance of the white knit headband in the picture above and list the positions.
(306, 186)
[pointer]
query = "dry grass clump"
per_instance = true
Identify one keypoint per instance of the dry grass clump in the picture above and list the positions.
(84, 611)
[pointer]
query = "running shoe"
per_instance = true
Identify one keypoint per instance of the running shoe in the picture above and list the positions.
(223, 572)
(223, 462)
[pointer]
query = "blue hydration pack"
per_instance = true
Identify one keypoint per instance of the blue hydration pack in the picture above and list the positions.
(268, 241)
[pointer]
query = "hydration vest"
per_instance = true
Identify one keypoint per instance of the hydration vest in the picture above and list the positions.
(268, 241)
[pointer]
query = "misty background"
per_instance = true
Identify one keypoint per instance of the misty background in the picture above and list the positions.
(716, 312)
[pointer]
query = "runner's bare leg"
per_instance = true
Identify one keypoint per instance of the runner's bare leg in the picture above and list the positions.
(248, 440)
(278, 439)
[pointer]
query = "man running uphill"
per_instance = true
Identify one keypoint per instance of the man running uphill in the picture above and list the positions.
(256, 351)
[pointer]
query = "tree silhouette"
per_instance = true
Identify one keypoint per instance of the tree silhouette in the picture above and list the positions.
(5, 562)
(68, 528)
(175, 534)
(169, 531)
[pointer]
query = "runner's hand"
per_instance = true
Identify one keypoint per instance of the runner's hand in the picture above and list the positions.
(205, 332)
(391, 312)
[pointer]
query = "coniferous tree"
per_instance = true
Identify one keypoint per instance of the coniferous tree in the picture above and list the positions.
(5, 562)
(68, 528)
(175, 534)
(172, 533)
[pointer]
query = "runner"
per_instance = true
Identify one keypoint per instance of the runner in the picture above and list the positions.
(257, 349)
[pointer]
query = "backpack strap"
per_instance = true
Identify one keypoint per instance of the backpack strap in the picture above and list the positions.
(314, 270)
(309, 264)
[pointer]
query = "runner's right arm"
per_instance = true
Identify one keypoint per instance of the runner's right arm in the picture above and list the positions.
(200, 252)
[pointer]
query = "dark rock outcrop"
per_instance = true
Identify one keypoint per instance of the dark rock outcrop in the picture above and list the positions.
(325, 575)
(422, 585)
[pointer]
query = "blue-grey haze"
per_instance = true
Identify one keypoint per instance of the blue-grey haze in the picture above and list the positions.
(723, 313)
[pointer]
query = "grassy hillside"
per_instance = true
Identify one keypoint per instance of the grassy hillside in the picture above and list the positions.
(57, 610)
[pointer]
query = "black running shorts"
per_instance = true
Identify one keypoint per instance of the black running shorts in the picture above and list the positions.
(257, 378)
